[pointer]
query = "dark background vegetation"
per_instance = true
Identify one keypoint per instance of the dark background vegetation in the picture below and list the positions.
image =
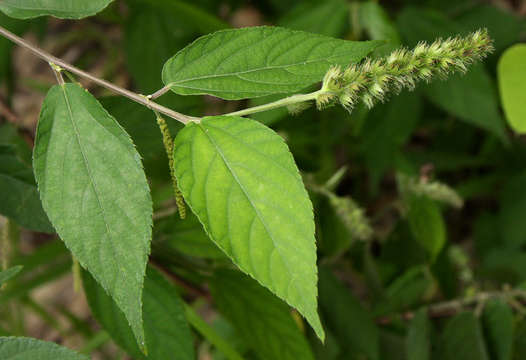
(371, 291)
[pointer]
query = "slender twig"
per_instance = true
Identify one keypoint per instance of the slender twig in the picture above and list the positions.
(159, 92)
(288, 101)
(451, 307)
(116, 89)
(56, 70)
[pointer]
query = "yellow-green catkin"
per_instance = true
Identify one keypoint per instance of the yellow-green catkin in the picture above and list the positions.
(169, 147)
(371, 80)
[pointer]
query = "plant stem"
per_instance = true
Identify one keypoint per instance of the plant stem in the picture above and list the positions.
(116, 89)
(291, 100)
(159, 92)
(448, 308)
(210, 334)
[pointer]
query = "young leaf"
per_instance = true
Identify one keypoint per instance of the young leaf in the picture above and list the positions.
(498, 325)
(418, 345)
(350, 322)
(241, 181)
(166, 331)
(512, 86)
(64, 9)
(22, 348)
(19, 198)
(9, 273)
(94, 190)
(258, 61)
(262, 319)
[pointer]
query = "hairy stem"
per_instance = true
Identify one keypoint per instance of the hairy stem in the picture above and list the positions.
(116, 89)
(288, 101)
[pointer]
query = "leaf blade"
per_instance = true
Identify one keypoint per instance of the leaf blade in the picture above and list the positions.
(105, 224)
(70, 9)
(167, 333)
(263, 320)
(258, 61)
(22, 348)
(278, 251)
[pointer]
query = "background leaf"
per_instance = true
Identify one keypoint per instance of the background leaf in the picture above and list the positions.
(462, 339)
(21, 348)
(233, 172)
(418, 342)
(102, 209)
(257, 61)
(65, 9)
(498, 323)
(19, 197)
(471, 97)
(262, 319)
(166, 331)
(350, 322)
(10, 273)
(512, 86)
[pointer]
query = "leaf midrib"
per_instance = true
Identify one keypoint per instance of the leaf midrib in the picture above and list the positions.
(256, 210)
(86, 163)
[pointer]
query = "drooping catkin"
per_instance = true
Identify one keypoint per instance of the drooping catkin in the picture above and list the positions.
(371, 80)
(169, 147)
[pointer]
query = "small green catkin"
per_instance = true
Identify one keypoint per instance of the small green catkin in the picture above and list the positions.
(169, 147)
(371, 80)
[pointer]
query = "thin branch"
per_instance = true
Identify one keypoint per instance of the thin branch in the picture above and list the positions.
(452, 307)
(291, 100)
(56, 70)
(159, 92)
(116, 89)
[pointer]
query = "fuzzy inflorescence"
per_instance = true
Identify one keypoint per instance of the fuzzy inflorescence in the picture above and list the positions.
(371, 80)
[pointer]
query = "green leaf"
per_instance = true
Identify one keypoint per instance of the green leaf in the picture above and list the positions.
(241, 181)
(19, 199)
(350, 322)
(64, 9)
(498, 325)
(188, 14)
(95, 193)
(312, 17)
(257, 61)
(379, 26)
(262, 319)
(462, 339)
(512, 203)
(472, 97)
(418, 344)
(147, 51)
(10, 273)
(387, 129)
(405, 291)
(166, 331)
(427, 224)
(22, 348)
(188, 237)
(512, 86)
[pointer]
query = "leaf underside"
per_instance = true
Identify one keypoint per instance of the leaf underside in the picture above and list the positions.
(240, 179)
(94, 190)
(258, 61)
